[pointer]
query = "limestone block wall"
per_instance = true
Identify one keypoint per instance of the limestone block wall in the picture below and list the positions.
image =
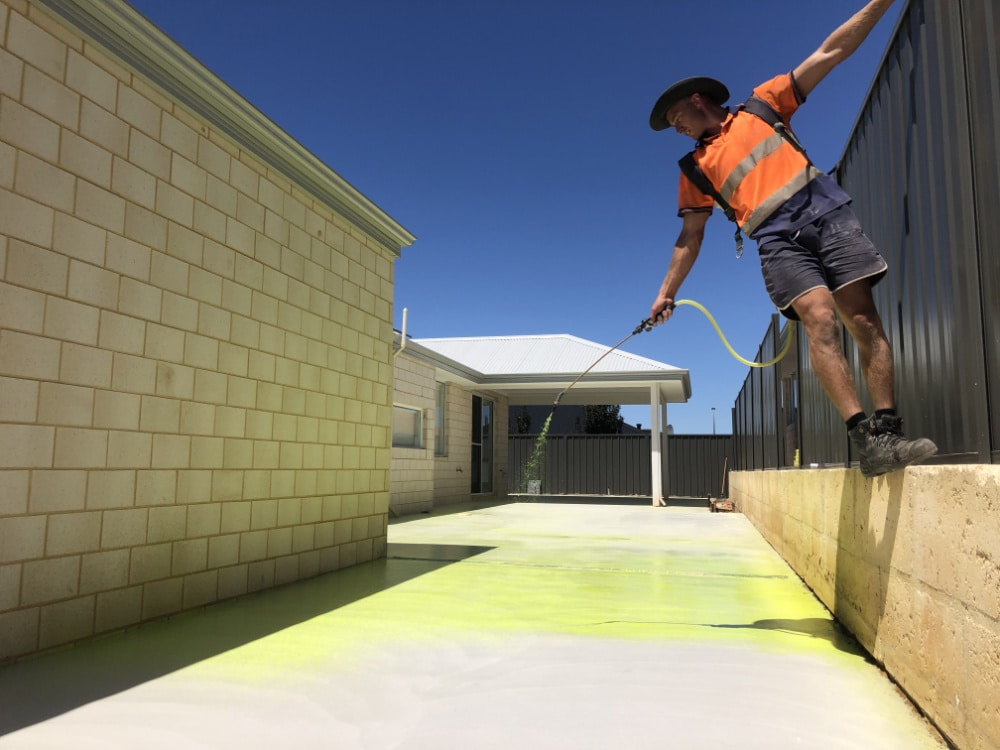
(195, 353)
(909, 563)
(412, 469)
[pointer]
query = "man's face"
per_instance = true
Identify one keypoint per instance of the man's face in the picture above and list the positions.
(687, 117)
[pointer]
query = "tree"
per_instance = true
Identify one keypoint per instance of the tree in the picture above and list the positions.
(604, 420)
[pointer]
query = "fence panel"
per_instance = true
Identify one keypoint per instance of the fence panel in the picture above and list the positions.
(620, 464)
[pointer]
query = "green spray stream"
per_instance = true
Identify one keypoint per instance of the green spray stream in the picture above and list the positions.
(533, 469)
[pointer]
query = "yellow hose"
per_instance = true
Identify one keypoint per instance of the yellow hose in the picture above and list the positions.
(781, 354)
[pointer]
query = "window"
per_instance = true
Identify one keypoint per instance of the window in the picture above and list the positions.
(407, 427)
(440, 434)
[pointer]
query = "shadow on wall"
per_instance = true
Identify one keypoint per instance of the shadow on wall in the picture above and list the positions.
(866, 541)
(46, 686)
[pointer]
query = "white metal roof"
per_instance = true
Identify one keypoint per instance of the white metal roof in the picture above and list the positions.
(537, 369)
(553, 354)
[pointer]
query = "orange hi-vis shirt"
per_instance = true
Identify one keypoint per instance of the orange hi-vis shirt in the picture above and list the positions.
(753, 167)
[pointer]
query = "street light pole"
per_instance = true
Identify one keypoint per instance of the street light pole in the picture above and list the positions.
(713, 420)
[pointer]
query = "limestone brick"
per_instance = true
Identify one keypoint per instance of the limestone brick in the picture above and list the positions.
(124, 528)
(250, 212)
(44, 183)
(155, 487)
(27, 220)
(50, 98)
(102, 128)
(13, 492)
(18, 400)
(36, 268)
(179, 311)
(129, 450)
(138, 111)
(166, 524)
(145, 227)
(266, 454)
(205, 286)
(210, 387)
(118, 609)
(235, 517)
(133, 183)
(110, 489)
(22, 538)
(197, 418)
(173, 380)
(241, 392)
(150, 156)
(64, 622)
(253, 546)
(207, 453)
(28, 131)
(44, 581)
(214, 159)
(71, 321)
(204, 520)
(172, 452)
(223, 551)
(233, 581)
(161, 598)
(164, 343)
(160, 414)
(201, 589)
(65, 405)
(92, 285)
(91, 80)
(26, 446)
(133, 374)
(73, 533)
(194, 486)
(179, 136)
(99, 206)
(80, 448)
(11, 72)
(85, 365)
(128, 257)
(222, 198)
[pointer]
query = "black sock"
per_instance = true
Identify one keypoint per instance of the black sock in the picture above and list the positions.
(853, 421)
(885, 412)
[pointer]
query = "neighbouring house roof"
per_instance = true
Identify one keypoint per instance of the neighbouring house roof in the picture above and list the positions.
(536, 369)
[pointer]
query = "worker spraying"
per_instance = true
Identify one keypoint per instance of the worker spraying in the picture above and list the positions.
(817, 263)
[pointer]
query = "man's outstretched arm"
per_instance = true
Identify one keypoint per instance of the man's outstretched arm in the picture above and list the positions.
(840, 45)
(685, 254)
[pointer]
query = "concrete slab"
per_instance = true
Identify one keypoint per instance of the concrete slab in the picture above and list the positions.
(524, 625)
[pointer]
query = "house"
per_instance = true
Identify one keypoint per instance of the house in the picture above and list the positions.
(451, 397)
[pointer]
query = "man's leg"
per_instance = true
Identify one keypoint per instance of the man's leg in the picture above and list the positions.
(818, 312)
(857, 309)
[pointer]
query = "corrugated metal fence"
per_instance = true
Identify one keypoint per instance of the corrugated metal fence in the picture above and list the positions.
(923, 166)
(620, 464)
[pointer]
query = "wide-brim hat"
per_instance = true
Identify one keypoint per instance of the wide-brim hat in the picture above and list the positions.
(713, 89)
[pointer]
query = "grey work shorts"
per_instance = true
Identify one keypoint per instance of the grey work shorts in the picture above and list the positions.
(832, 252)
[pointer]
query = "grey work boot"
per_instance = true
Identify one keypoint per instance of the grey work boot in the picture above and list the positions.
(882, 447)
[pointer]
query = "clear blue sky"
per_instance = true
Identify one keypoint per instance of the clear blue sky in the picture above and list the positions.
(512, 139)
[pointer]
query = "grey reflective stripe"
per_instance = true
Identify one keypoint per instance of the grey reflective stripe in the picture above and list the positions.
(766, 208)
(740, 171)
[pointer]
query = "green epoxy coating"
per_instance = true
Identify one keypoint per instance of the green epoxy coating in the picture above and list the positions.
(523, 625)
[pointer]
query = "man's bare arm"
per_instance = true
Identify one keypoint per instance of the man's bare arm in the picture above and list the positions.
(840, 45)
(686, 251)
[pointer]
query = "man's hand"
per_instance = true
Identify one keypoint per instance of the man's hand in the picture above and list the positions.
(662, 309)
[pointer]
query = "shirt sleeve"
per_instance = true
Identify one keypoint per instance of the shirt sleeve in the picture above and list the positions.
(690, 198)
(782, 94)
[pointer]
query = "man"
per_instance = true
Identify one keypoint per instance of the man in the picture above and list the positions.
(816, 261)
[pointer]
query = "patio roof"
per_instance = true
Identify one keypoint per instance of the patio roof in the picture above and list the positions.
(536, 369)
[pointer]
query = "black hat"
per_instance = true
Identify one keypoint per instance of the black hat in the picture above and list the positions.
(713, 89)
